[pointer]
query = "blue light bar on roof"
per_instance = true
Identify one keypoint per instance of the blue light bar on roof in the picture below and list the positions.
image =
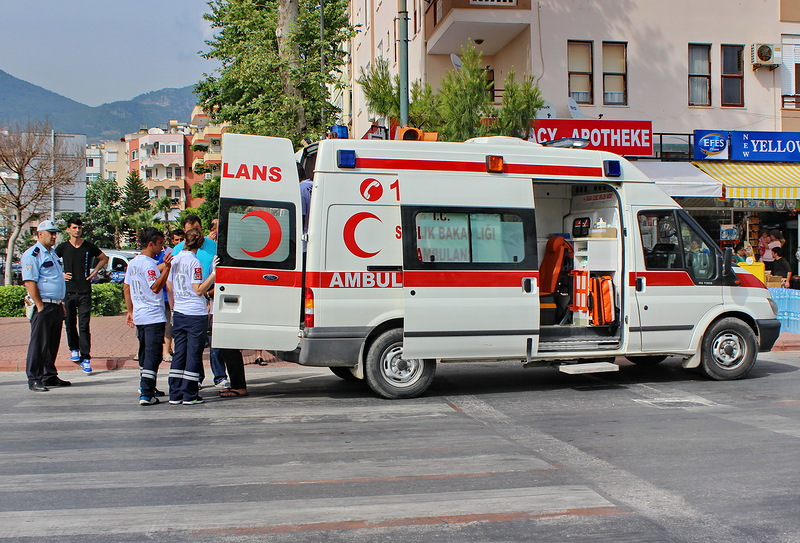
(612, 168)
(346, 158)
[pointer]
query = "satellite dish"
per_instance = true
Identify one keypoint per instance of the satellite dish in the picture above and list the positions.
(547, 111)
(574, 109)
(456, 60)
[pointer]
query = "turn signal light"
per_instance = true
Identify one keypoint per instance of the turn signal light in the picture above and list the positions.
(308, 316)
(494, 164)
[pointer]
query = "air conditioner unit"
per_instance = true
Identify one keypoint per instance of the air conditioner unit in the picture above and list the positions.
(765, 54)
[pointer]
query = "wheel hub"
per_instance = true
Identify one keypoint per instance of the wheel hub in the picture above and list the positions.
(399, 371)
(728, 350)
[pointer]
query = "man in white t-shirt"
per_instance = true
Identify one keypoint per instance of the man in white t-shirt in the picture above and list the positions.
(145, 304)
(187, 287)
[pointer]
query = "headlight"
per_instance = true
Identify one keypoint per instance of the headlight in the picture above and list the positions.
(773, 305)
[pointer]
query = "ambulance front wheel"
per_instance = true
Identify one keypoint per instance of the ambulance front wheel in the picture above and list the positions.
(391, 376)
(729, 349)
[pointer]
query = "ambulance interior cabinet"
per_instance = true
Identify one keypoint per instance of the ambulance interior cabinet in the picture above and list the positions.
(596, 254)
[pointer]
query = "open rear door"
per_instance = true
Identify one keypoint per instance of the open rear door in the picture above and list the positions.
(470, 287)
(259, 277)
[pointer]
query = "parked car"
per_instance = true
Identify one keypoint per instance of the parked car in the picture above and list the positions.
(16, 273)
(114, 271)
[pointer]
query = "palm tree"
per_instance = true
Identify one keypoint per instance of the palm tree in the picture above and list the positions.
(164, 205)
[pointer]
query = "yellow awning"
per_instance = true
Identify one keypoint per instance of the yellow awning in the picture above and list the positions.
(757, 181)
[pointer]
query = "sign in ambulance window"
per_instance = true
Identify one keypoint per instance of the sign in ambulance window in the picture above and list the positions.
(470, 237)
(257, 233)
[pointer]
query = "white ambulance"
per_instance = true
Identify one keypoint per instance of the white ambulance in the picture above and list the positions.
(421, 253)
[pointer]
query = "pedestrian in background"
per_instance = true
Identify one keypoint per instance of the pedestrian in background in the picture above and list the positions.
(77, 255)
(187, 287)
(44, 280)
(213, 233)
(145, 304)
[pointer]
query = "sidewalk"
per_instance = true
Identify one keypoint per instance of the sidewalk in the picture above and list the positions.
(114, 345)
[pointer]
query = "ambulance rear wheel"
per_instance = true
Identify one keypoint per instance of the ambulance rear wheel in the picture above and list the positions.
(343, 373)
(729, 350)
(391, 376)
(647, 360)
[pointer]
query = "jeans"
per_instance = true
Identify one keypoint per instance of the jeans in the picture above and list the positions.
(78, 308)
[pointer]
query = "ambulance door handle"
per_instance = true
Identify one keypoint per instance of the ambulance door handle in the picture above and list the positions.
(527, 285)
(640, 284)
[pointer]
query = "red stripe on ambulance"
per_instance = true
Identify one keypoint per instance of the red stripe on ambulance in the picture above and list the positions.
(477, 167)
(677, 278)
(467, 278)
(249, 276)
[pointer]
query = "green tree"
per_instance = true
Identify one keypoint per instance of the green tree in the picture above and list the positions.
(271, 81)
(163, 206)
(101, 221)
(135, 196)
(209, 191)
(463, 107)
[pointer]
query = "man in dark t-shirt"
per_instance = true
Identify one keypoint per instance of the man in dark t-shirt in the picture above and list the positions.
(780, 267)
(77, 254)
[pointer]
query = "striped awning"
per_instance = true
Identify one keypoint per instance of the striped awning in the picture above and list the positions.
(755, 181)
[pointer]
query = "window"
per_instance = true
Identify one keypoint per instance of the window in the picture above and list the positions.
(258, 234)
(470, 237)
(699, 75)
(111, 175)
(111, 156)
(169, 148)
(148, 174)
(169, 172)
(674, 243)
(135, 154)
(89, 162)
(178, 172)
(615, 74)
(732, 76)
(169, 193)
(177, 193)
(579, 64)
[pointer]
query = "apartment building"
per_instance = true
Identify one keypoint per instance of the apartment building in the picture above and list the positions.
(680, 64)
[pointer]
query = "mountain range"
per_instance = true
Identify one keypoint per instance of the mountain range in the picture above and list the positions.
(20, 101)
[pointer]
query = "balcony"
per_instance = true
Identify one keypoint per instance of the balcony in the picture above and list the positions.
(213, 158)
(790, 113)
(449, 24)
(200, 138)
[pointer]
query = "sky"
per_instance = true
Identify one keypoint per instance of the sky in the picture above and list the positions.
(98, 51)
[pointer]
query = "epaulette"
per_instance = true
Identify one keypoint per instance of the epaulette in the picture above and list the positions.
(35, 251)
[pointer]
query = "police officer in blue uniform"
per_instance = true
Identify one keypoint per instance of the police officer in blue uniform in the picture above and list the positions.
(44, 280)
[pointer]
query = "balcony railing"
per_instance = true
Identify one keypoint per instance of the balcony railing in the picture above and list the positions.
(791, 101)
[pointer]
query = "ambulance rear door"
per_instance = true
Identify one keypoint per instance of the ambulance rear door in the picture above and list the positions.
(259, 277)
(470, 274)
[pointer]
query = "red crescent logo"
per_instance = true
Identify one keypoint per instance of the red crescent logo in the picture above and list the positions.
(275, 234)
(349, 234)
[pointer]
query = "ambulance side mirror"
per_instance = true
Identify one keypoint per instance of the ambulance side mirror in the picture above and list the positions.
(727, 263)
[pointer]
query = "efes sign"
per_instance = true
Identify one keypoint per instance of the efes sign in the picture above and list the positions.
(711, 145)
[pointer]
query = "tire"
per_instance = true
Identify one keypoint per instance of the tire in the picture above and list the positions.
(729, 350)
(647, 360)
(343, 373)
(389, 375)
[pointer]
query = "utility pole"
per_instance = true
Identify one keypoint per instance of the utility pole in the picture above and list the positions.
(403, 38)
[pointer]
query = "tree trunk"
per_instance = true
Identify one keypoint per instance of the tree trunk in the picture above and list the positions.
(12, 241)
(288, 11)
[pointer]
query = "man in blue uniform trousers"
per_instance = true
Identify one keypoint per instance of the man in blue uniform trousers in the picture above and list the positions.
(44, 280)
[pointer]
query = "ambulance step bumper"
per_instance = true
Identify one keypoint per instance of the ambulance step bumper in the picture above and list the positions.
(575, 346)
(592, 367)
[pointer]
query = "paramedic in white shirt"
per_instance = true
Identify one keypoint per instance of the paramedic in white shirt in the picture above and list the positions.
(187, 288)
(145, 304)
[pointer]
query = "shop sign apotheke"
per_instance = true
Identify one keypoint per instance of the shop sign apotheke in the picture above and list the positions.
(630, 138)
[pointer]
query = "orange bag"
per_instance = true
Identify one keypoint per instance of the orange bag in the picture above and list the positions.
(602, 300)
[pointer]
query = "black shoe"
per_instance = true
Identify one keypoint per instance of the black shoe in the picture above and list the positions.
(38, 386)
(56, 382)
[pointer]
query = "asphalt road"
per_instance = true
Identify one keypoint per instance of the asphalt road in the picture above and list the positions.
(490, 453)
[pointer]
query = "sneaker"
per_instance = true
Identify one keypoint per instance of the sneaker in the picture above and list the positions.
(75, 356)
(223, 384)
(86, 365)
(175, 402)
(148, 400)
(194, 401)
(157, 392)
